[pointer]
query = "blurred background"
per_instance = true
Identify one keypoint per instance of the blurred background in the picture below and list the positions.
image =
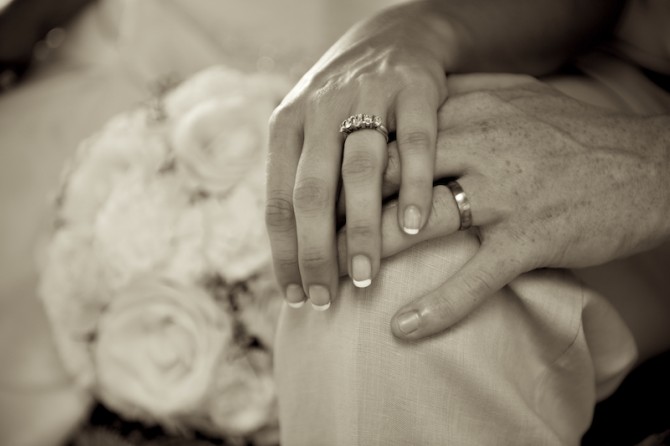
(66, 67)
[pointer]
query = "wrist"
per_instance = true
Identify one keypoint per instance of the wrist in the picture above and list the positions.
(441, 35)
(451, 37)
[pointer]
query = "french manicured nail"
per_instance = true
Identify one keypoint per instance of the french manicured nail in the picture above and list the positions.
(361, 270)
(295, 297)
(408, 322)
(320, 297)
(411, 220)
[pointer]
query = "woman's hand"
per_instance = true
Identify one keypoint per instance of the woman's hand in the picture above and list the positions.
(391, 66)
(553, 182)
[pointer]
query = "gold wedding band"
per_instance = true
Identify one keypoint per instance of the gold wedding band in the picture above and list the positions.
(463, 204)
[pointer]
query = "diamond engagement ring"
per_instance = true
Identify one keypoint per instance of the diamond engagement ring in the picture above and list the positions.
(362, 121)
(463, 204)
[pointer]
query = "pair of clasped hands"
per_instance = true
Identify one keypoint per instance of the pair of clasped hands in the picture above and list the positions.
(552, 182)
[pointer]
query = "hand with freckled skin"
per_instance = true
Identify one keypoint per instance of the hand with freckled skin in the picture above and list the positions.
(553, 182)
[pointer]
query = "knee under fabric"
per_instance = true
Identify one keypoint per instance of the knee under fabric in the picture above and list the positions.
(525, 368)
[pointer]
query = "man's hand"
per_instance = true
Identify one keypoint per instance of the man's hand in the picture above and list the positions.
(553, 182)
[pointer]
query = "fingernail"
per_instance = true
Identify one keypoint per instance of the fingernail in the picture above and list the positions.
(320, 297)
(408, 322)
(295, 297)
(411, 220)
(321, 307)
(361, 270)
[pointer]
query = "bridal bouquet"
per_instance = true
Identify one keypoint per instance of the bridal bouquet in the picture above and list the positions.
(156, 279)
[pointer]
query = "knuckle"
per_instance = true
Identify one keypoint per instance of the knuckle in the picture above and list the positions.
(391, 178)
(281, 117)
(286, 264)
(414, 141)
(313, 260)
(285, 261)
(279, 214)
(276, 118)
(360, 165)
(442, 195)
(320, 98)
(367, 78)
(445, 306)
(393, 163)
(478, 284)
(443, 200)
(361, 232)
(423, 79)
(409, 76)
(326, 95)
(418, 183)
(311, 194)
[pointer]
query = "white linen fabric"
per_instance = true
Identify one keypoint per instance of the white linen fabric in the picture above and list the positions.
(525, 368)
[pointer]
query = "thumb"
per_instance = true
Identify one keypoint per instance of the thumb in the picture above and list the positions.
(483, 275)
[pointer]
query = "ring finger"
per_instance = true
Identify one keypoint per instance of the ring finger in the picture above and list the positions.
(363, 164)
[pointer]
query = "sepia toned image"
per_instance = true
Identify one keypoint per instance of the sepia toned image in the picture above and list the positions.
(325, 222)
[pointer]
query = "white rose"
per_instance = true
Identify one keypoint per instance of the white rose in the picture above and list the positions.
(157, 348)
(73, 291)
(104, 161)
(217, 81)
(136, 229)
(186, 262)
(243, 398)
(222, 82)
(219, 141)
(236, 243)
